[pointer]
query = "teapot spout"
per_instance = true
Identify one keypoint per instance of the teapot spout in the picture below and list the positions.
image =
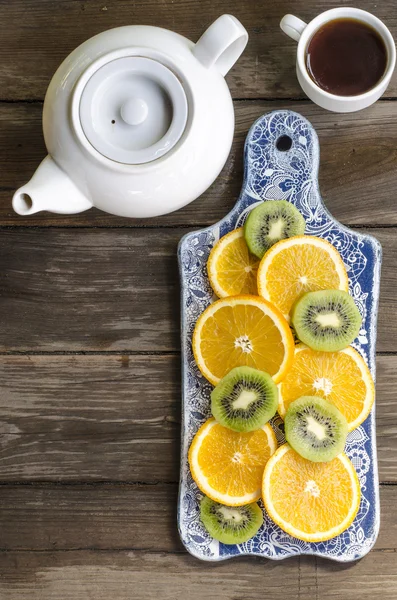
(49, 189)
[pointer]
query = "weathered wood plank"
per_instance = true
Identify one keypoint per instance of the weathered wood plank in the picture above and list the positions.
(374, 575)
(109, 517)
(126, 575)
(386, 417)
(89, 290)
(90, 417)
(101, 289)
(81, 574)
(358, 170)
(100, 418)
(36, 36)
(64, 517)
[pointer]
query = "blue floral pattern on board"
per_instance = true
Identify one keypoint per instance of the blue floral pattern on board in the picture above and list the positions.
(292, 175)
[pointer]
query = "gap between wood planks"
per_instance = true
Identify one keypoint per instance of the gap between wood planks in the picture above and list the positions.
(108, 483)
(102, 353)
(138, 550)
(197, 226)
(118, 353)
(116, 550)
(258, 99)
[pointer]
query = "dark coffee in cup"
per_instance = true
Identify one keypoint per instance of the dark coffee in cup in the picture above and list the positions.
(346, 57)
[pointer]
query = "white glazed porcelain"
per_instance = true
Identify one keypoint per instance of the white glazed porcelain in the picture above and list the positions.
(301, 32)
(138, 121)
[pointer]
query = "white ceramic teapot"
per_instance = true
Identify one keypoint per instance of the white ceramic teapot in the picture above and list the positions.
(138, 121)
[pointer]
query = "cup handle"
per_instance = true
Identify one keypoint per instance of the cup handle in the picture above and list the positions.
(292, 26)
(221, 44)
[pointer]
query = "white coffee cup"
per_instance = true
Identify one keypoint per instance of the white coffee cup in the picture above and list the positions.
(302, 32)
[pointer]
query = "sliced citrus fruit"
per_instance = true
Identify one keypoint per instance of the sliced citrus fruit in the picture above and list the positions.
(311, 501)
(232, 269)
(228, 466)
(242, 331)
(342, 377)
(297, 265)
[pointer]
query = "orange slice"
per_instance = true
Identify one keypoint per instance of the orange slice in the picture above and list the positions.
(297, 265)
(232, 269)
(342, 377)
(242, 331)
(311, 501)
(228, 466)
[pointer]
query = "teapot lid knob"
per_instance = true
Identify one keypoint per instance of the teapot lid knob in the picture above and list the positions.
(133, 110)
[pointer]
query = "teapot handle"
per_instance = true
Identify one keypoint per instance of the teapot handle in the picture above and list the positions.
(221, 44)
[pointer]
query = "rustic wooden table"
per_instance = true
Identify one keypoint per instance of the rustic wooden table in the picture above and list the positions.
(89, 331)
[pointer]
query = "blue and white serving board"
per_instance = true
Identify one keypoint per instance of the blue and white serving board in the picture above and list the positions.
(272, 174)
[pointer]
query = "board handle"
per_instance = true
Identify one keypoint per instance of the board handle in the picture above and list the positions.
(282, 158)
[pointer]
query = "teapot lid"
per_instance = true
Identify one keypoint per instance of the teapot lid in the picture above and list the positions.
(133, 110)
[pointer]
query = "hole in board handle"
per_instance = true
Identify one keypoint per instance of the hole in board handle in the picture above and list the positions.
(284, 143)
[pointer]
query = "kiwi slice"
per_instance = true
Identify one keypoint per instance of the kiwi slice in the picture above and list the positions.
(230, 524)
(327, 320)
(270, 222)
(315, 428)
(245, 399)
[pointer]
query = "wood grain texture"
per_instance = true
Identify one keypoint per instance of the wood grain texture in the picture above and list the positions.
(142, 576)
(36, 36)
(114, 517)
(374, 575)
(86, 574)
(114, 289)
(101, 418)
(358, 167)
(100, 289)
(89, 418)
